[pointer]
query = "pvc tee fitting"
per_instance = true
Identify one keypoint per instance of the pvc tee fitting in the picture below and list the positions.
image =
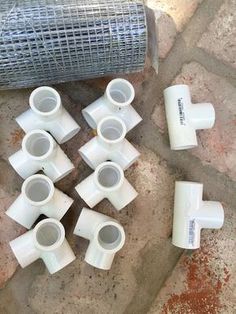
(41, 152)
(184, 118)
(46, 241)
(38, 196)
(109, 144)
(105, 234)
(107, 181)
(191, 214)
(116, 101)
(47, 113)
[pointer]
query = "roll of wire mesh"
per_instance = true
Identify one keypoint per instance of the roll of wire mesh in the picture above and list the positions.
(52, 41)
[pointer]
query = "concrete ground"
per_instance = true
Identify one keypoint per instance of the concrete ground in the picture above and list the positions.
(149, 275)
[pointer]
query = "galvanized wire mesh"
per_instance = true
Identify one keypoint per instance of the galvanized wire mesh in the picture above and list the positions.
(50, 41)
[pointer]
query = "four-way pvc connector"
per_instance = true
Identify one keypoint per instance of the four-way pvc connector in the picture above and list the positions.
(116, 101)
(109, 154)
(38, 196)
(40, 151)
(107, 181)
(105, 234)
(109, 144)
(47, 113)
(46, 241)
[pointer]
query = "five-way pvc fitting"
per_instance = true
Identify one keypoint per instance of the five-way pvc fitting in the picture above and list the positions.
(184, 118)
(191, 214)
(105, 234)
(38, 196)
(107, 181)
(46, 241)
(41, 152)
(47, 113)
(116, 101)
(109, 144)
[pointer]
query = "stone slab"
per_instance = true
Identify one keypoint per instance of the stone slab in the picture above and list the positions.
(219, 39)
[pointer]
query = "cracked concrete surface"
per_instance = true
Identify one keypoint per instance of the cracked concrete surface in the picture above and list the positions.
(149, 275)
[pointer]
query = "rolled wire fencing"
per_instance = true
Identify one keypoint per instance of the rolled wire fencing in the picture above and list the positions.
(52, 41)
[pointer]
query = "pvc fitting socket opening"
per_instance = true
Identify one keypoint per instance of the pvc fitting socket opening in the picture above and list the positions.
(120, 92)
(109, 176)
(111, 236)
(177, 87)
(45, 100)
(111, 129)
(49, 234)
(38, 189)
(38, 144)
(189, 183)
(184, 147)
(89, 119)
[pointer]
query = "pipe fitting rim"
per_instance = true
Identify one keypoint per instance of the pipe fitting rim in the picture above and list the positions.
(42, 113)
(188, 183)
(43, 178)
(185, 86)
(109, 118)
(113, 101)
(120, 237)
(119, 172)
(56, 225)
(46, 135)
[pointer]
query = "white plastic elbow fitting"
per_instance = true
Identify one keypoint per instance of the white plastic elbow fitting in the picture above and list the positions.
(47, 113)
(105, 234)
(46, 241)
(38, 196)
(41, 152)
(107, 181)
(184, 118)
(109, 144)
(191, 214)
(117, 101)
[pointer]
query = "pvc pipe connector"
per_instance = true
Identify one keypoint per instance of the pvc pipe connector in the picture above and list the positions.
(46, 241)
(184, 118)
(38, 196)
(109, 144)
(41, 152)
(191, 214)
(116, 101)
(107, 181)
(47, 113)
(105, 234)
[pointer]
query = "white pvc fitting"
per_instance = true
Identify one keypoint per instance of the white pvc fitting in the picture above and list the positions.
(38, 196)
(116, 101)
(46, 241)
(41, 152)
(184, 118)
(107, 181)
(191, 214)
(109, 144)
(47, 113)
(105, 234)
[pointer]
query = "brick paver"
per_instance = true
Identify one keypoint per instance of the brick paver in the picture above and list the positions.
(219, 39)
(9, 184)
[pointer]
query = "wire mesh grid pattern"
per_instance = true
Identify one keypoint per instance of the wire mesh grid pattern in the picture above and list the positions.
(50, 41)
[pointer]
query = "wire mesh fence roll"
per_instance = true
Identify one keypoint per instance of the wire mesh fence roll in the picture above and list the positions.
(52, 41)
